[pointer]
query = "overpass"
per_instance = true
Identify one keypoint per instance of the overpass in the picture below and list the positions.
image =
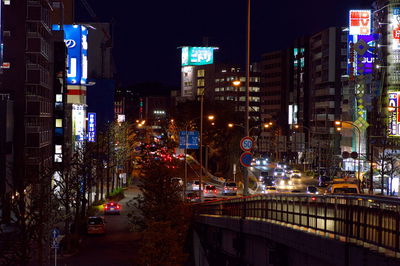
(298, 229)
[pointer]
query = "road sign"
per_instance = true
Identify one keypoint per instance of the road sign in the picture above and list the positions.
(189, 139)
(246, 158)
(55, 233)
(246, 143)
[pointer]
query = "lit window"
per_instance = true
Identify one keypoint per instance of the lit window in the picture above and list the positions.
(58, 158)
(200, 82)
(200, 73)
(242, 89)
(58, 149)
(242, 79)
(223, 70)
(242, 98)
(254, 89)
(58, 122)
(216, 89)
(58, 97)
(7, 2)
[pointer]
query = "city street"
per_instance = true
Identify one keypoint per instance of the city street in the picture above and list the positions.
(116, 247)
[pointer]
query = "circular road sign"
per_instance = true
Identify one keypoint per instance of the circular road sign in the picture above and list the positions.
(246, 143)
(246, 158)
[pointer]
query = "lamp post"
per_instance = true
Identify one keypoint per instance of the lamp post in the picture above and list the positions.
(338, 125)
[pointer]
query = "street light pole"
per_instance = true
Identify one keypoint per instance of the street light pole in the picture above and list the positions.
(246, 120)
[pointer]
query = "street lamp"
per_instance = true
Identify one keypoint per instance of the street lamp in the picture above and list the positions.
(338, 125)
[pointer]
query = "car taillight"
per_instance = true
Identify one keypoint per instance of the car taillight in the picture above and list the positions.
(118, 206)
(205, 191)
(225, 188)
(235, 188)
(105, 207)
(112, 203)
(215, 191)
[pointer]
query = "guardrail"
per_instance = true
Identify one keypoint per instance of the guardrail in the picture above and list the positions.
(370, 221)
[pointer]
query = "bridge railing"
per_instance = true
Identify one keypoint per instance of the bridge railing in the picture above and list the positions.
(364, 220)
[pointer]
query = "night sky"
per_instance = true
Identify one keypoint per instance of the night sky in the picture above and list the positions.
(147, 33)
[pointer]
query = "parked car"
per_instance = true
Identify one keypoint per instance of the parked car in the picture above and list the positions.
(96, 225)
(230, 188)
(210, 191)
(112, 208)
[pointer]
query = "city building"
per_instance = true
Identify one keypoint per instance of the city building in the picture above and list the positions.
(274, 68)
(28, 51)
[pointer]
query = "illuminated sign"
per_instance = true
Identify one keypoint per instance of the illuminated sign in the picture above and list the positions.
(91, 127)
(78, 121)
(76, 41)
(394, 118)
(187, 81)
(361, 54)
(360, 22)
(197, 56)
(121, 118)
(395, 25)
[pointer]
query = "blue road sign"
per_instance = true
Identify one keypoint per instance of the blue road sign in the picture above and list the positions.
(192, 138)
(55, 233)
(246, 158)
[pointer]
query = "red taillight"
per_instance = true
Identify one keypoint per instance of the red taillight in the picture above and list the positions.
(313, 198)
(235, 188)
(205, 191)
(215, 191)
(112, 203)
(105, 207)
(118, 206)
(225, 188)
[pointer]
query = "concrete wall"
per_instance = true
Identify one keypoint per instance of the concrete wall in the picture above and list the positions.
(250, 242)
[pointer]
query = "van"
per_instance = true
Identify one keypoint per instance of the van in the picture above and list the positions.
(343, 188)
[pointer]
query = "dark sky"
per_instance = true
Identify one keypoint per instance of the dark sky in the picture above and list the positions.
(147, 33)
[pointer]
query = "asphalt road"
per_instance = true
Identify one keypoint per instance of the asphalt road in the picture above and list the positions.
(117, 247)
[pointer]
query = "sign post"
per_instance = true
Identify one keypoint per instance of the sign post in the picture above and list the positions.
(55, 245)
(246, 144)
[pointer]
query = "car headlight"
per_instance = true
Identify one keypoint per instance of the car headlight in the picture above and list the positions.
(290, 182)
(275, 173)
(282, 183)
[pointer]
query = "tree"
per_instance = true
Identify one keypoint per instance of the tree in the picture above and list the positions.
(161, 215)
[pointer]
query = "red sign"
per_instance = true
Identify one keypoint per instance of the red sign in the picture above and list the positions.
(246, 158)
(360, 22)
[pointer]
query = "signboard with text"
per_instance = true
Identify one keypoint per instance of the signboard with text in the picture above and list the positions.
(360, 22)
(197, 56)
(188, 139)
(394, 118)
(91, 127)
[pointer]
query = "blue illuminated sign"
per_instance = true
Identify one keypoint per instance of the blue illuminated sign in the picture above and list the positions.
(361, 54)
(75, 38)
(189, 139)
(91, 127)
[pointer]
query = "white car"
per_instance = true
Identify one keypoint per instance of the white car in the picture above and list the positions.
(269, 190)
(295, 174)
(196, 185)
(230, 188)
(278, 172)
(210, 191)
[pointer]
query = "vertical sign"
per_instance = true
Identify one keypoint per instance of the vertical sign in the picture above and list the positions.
(394, 119)
(91, 127)
(395, 23)
(75, 38)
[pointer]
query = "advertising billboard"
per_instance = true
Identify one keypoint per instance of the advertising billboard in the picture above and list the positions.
(361, 54)
(395, 26)
(394, 118)
(75, 38)
(91, 127)
(360, 22)
(78, 121)
(197, 56)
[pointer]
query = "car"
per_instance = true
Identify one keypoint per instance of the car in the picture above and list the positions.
(193, 197)
(112, 208)
(312, 190)
(196, 185)
(268, 181)
(281, 165)
(96, 225)
(295, 174)
(177, 180)
(210, 191)
(284, 182)
(230, 188)
(269, 190)
(343, 188)
(278, 172)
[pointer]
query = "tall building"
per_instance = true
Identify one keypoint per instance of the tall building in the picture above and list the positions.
(328, 63)
(28, 49)
(274, 70)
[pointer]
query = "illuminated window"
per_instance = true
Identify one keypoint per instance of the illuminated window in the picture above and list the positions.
(7, 2)
(200, 73)
(58, 158)
(254, 99)
(58, 122)
(242, 98)
(242, 88)
(242, 79)
(216, 89)
(254, 89)
(58, 97)
(58, 149)
(200, 82)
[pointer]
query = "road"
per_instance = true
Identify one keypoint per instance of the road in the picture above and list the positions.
(117, 247)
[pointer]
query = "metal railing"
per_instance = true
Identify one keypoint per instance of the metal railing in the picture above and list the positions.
(369, 221)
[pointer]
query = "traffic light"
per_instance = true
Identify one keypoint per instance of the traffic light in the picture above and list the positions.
(338, 125)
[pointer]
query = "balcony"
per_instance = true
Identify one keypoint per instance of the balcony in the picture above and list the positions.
(37, 45)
